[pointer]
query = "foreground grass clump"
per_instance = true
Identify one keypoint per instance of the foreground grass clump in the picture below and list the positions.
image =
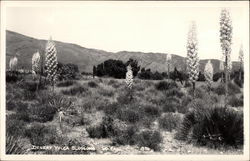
(212, 126)
(14, 145)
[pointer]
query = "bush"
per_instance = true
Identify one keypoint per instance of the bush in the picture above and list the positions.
(104, 130)
(235, 102)
(169, 121)
(128, 115)
(232, 89)
(92, 84)
(171, 104)
(66, 83)
(152, 111)
(174, 92)
(164, 85)
(107, 93)
(183, 108)
(150, 139)
(41, 135)
(213, 127)
(12, 77)
(77, 90)
(126, 137)
(14, 126)
(43, 112)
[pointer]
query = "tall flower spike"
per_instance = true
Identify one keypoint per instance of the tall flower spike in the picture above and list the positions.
(208, 73)
(241, 57)
(13, 63)
(192, 54)
(35, 62)
(51, 61)
(129, 77)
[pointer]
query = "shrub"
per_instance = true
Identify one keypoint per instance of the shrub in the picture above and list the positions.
(171, 104)
(41, 135)
(151, 111)
(169, 121)
(14, 126)
(150, 139)
(107, 93)
(174, 92)
(12, 77)
(164, 85)
(77, 90)
(235, 102)
(232, 89)
(213, 127)
(104, 130)
(110, 109)
(125, 97)
(183, 108)
(92, 84)
(129, 115)
(126, 137)
(65, 83)
(43, 112)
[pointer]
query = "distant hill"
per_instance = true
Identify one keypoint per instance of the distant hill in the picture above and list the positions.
(85, 58)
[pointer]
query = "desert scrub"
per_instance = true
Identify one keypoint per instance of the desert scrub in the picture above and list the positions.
(14, 145)
(92, 84)
(212, 127)
(41, 135)
(174, 92)
(151, 110)
(149, 138)
(15, 126)
(126, 136)
(232, 89)
(164, 85)
(235, 102)
(129, 115)
(169, 121)
(171, 104)
(106, 92)
(65, 83)
(76, 90)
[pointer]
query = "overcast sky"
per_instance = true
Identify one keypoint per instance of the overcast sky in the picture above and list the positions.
(132, 26)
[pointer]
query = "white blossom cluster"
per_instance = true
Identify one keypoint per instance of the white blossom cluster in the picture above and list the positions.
(51, 61)
(35, 62)
(226, 35)
(13, 63)
(208, 72)
(241, 57)
(192, 54)
(129, 77)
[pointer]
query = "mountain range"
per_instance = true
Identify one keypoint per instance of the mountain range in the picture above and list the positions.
(24, 47)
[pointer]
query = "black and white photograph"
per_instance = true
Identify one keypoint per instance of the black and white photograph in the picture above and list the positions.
(143, 79)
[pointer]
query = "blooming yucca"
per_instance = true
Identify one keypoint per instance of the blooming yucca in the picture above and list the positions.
(168, 61)
(13, 63)
(241, 57)
(129, 77)
(35, 63)
(51, 61)
(208, 73)
(226, 41)
(192, 55)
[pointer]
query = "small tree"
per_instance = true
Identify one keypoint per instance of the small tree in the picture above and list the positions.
(51, 62)
(208, 72)
(192, 56)
(226, 41)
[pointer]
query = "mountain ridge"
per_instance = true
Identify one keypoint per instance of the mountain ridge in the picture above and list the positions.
(86, 58)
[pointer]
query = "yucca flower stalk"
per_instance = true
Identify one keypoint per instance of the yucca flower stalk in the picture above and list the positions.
(226, 41)
(51, 62)
(129, 81)
(168, 61)
(208, 73)
(241, 60)
(35, 63)
(192, 55)
(13, 63)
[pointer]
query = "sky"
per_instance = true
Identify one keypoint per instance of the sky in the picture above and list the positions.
(132, 26)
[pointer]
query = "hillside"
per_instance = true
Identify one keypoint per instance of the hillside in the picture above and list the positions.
(85, 58)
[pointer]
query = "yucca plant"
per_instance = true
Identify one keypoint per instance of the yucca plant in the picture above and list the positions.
(192, 55)
(241, 60)
(168, 61)
(13, 63)
(221, 68)
(129, 81)
(13, 145)
(208, 73)
(226, 41)
(51, 62)
(35, 63)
